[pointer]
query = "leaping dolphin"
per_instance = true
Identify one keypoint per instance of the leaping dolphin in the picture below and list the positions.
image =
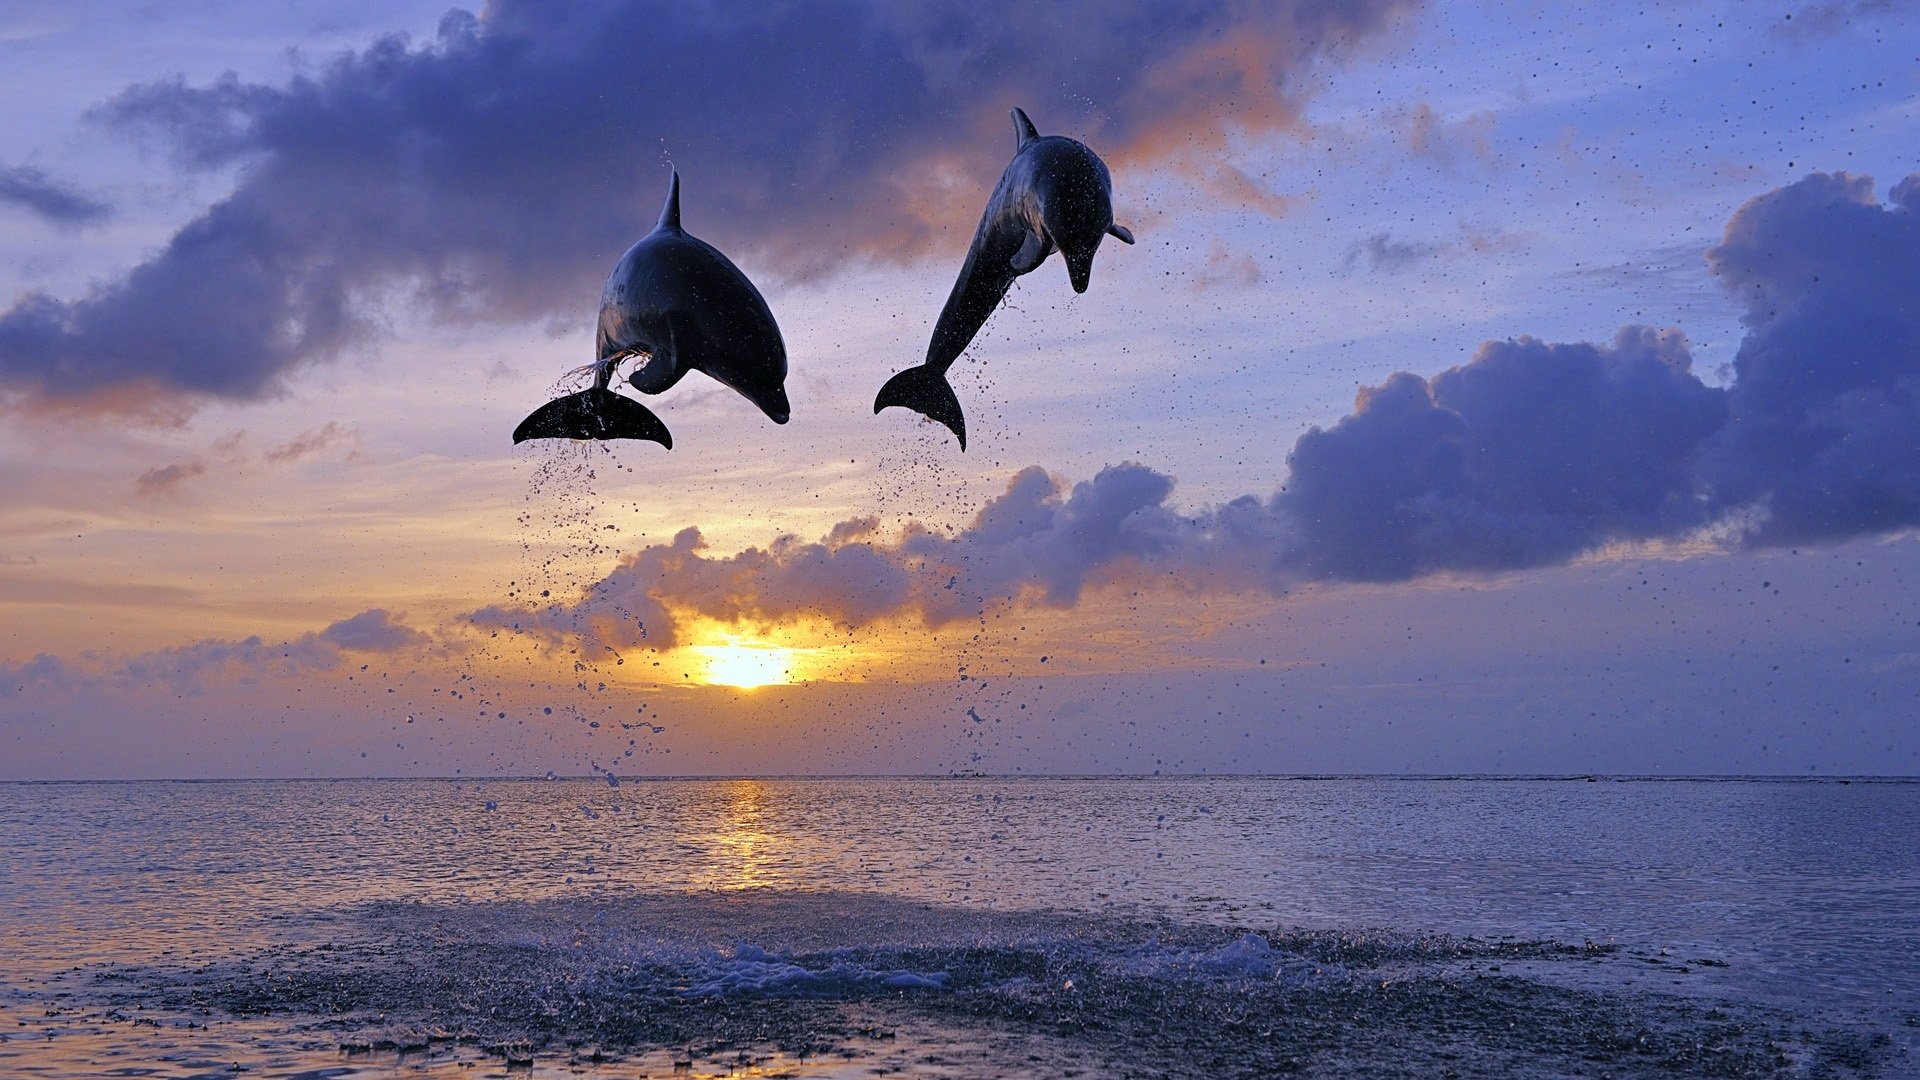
(680, 305)
(1055, 195)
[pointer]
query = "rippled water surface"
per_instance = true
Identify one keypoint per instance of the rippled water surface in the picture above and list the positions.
(960, 927)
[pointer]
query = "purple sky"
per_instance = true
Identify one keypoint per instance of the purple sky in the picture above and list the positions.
(1495, 388)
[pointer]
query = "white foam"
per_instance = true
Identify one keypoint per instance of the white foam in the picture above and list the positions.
(1249, 956)
(752, 970)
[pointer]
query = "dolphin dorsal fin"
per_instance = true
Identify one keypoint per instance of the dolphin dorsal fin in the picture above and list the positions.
(1023, 129)
(670, 213)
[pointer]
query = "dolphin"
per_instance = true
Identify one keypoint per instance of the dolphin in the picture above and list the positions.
(680, 305)
(1055, 195)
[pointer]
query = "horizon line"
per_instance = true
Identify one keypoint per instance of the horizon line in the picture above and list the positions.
(600, 777)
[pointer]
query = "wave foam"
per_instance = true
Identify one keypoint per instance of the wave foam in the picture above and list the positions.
(753, 970)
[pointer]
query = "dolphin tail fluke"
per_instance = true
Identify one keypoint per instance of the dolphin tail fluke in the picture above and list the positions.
(597, 413)
(925, 390)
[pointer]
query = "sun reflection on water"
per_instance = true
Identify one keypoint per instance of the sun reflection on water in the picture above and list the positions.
(743, 853)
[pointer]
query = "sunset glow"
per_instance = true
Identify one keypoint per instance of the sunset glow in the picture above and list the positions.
(1586, 419)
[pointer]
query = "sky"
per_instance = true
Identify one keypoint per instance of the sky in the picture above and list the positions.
(1494, 388)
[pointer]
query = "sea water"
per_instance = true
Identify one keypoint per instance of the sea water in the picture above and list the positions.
(960, 927)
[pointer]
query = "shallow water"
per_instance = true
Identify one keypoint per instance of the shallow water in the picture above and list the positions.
(960, 927)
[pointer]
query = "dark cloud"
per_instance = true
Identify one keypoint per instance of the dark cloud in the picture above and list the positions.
(1824, 434)
(1531, 454)
(494, 173)
(62, 204)
(1534, 453)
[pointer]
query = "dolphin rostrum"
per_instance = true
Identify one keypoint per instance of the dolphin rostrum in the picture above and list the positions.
(679, 305)
(1055, 195)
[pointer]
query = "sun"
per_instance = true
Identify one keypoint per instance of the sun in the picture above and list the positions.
(745, 666)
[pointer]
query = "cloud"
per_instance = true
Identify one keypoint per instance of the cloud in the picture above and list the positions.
(42, 673)
(1037, 543)
(186, 669)
(1674, 272)
(1383, 253)
(494, 173)
(192, 668)
(310, 442)
(1534, 453)
(73, 592)
(1827, 17)
(162, 479)
(230, 452)
(1530, 454)
(373, 630)
(53, 201)
(1825, 403)
(1226, 268)
(1431, 135)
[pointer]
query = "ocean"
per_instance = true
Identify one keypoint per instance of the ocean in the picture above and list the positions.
(963, 927)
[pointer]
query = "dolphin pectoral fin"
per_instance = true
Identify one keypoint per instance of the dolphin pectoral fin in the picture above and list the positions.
(658, 375)
(1032, 251)
(925, 390)
(661, 368)
(1120, 233)
(596, 413)
(1023, 130)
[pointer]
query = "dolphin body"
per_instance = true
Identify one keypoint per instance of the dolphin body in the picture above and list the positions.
(676, 301)
(1055, 195)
